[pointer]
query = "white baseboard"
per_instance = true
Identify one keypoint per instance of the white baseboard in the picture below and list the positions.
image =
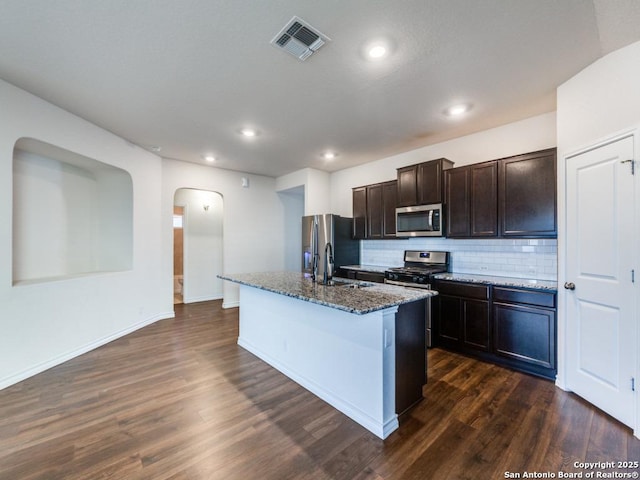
(202, 298)
(30, 372)
(230, 304)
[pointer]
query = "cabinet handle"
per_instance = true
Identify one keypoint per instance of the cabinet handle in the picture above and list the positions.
(570, 285)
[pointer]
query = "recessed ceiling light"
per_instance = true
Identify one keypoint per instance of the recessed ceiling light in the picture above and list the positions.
(457, 110)
(329, 155)
(210, 158)
(248, 132)
(377, 51)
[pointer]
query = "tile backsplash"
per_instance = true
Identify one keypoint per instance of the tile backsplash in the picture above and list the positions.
(536, 259)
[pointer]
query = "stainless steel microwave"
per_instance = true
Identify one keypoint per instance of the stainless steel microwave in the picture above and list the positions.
(419, 221)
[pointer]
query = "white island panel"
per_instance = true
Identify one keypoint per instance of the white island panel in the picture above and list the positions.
(346, 359)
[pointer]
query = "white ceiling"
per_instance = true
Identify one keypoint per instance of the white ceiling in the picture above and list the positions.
(188, 75)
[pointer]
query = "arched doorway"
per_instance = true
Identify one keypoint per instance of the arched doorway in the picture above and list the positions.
(198, 220)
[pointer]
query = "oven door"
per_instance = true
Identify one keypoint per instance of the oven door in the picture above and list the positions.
(419, 221)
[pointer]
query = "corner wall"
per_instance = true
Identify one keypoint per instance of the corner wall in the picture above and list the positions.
(316, 185)
(600, 101)
(44, 324)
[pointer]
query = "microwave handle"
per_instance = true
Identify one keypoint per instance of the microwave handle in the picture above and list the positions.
(431, 220)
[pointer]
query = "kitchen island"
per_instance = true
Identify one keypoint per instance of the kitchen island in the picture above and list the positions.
(358, 346)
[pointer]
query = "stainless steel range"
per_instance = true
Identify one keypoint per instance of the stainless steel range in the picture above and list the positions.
(419, 266)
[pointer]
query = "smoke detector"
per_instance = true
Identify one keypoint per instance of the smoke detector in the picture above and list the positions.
(299, 39)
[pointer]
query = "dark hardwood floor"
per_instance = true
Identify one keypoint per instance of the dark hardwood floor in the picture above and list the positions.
(180, 400)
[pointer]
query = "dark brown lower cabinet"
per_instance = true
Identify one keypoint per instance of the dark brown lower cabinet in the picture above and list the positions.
(364, 275)
(524, 329)
(513, 327)
(463, 318)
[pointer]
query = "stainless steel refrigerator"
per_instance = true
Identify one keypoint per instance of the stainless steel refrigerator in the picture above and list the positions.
(317, 231)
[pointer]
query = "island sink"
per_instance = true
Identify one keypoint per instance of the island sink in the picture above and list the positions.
(347, 284)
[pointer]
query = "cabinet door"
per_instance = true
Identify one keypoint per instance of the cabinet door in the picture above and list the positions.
(359, 212)
(374, 211)
(429, 182)
(484, 200)
(389, 202)
(475, 315)
(528, 195)
(407, 186)
(411, 358)
(456, 201)
(525, 334)
(449, 321)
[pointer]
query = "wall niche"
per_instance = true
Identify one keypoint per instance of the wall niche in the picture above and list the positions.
(72, 215)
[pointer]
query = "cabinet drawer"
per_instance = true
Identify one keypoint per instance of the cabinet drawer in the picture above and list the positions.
(460, 289)
(370, 276)
(529, 297)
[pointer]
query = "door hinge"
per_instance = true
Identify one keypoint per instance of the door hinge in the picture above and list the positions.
(633, 384)
(633, 165)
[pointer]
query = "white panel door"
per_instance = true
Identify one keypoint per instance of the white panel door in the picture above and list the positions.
(601, 322)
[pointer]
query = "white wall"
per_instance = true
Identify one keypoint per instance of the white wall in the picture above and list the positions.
(600, 101)
(293, 203)
(203, 238)
(47, 323)
(253, 225)
(83, 208)
(316, 186)
(303, 192)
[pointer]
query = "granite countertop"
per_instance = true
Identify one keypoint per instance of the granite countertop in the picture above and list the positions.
(366, 268)
(367, 299)
(499, 281)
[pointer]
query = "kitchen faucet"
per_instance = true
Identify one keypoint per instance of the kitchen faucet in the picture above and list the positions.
(328, 263)
(314, 267)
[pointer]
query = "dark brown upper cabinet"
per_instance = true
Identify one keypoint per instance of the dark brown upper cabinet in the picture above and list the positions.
(484, 198)
(457, 202)
(359, 212)
(389, 203)
(471, 200)
(513, 197)
(528, 195)
(421, 184)
(374, 211)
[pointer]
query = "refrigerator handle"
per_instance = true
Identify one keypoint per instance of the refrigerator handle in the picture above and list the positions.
(314, 251)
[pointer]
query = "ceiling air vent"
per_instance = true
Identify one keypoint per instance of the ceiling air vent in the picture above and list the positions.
(299, 39)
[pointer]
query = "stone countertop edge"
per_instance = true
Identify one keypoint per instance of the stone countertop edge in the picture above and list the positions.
(548, 285)
(376, 296)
